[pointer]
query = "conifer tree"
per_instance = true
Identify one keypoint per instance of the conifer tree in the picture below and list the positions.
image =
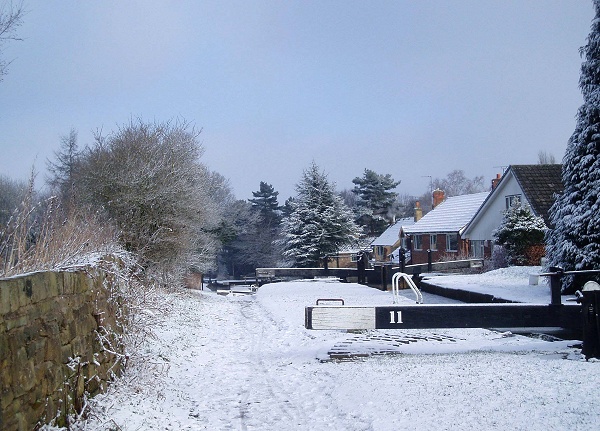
(265, 202)
(520, 230)
(320, 223)
(64, 169)
(375, 201)
(573, 242)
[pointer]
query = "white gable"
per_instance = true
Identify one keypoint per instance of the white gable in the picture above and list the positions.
(489, 217)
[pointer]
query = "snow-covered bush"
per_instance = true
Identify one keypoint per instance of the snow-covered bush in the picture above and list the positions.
(499, 259)
(519, 231)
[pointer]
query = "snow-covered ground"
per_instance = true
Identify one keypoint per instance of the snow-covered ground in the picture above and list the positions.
(508, 283)
(247, 363)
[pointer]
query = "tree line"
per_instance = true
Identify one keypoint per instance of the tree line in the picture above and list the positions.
(146, 180)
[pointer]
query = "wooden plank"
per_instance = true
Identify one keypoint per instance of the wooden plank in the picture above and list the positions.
(337, 317)
(444, 316)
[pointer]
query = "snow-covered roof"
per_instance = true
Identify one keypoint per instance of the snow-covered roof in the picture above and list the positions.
(356, 246)
(452, 215)
(392, 233)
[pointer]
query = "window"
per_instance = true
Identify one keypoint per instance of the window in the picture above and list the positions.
(451, 242)
(418, 242)
(511, 200)
(432, 242)
(380, 251)
(477, 248)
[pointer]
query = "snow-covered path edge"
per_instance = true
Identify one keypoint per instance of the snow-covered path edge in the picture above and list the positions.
(247, 363)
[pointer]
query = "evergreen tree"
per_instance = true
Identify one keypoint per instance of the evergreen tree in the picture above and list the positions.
(375, 206)
(574, 241)
(319, 224)
(63, 171)
(262, 249)
(287, 207)
(519, 231)
(265, 202)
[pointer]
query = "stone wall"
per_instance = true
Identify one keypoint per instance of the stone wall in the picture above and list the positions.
(60, 341)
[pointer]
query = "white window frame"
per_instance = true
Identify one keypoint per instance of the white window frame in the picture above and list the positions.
(477, 248)
(448, 236)
(510, 200)
(433, 241)
(418, 242)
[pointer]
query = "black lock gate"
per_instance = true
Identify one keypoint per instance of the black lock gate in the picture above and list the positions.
(420, 316)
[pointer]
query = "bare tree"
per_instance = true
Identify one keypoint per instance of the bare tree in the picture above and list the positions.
(545, 158)
(456, 184)
(12, 193)
(11, 17)
(148, 178)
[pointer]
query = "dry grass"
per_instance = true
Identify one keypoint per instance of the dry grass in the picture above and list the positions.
(42, 236)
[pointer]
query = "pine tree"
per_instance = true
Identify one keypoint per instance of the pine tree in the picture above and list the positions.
(519, 231)
(573, 243)
(319, 224)
(265, 202)
(375, 201)
(261, 247)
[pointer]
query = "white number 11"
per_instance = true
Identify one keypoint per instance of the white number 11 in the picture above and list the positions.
(396, 317)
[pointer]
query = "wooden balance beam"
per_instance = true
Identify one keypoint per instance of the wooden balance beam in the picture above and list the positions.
(423, 316)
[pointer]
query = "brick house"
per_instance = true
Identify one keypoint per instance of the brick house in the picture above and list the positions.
(441, 230)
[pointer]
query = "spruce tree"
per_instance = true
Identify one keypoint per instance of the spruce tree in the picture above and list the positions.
(376, 201)
(573, 243)
(319, 224)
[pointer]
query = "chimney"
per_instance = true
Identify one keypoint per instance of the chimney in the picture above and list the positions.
(418, 211)
(438, 197)
(495, 181)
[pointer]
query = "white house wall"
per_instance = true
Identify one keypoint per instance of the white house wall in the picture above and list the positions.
(490, 217)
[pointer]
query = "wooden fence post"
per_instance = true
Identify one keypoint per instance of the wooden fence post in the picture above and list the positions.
(555, 287)
(590, 303)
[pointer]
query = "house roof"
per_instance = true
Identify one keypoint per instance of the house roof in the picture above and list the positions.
(392, 234)
(356, 246)
(539, 184)
(452, 215)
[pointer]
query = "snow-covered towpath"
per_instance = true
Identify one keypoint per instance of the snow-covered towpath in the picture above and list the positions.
(247, 363)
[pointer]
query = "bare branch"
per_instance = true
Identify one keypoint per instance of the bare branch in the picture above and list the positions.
(11, 17)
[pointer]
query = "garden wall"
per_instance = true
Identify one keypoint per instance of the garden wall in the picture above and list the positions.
(60, 341)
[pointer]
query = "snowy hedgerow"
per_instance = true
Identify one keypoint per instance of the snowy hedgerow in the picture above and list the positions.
(520, 230)
(148, 179)
(573, 243)
(319, 224)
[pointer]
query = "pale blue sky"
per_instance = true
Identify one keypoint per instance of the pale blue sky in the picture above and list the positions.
(410, 88)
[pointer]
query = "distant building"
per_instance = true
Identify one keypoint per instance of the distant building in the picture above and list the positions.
(389, 241)
(349, 255)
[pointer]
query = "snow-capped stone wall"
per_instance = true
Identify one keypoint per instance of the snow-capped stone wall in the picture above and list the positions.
(60, 341)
